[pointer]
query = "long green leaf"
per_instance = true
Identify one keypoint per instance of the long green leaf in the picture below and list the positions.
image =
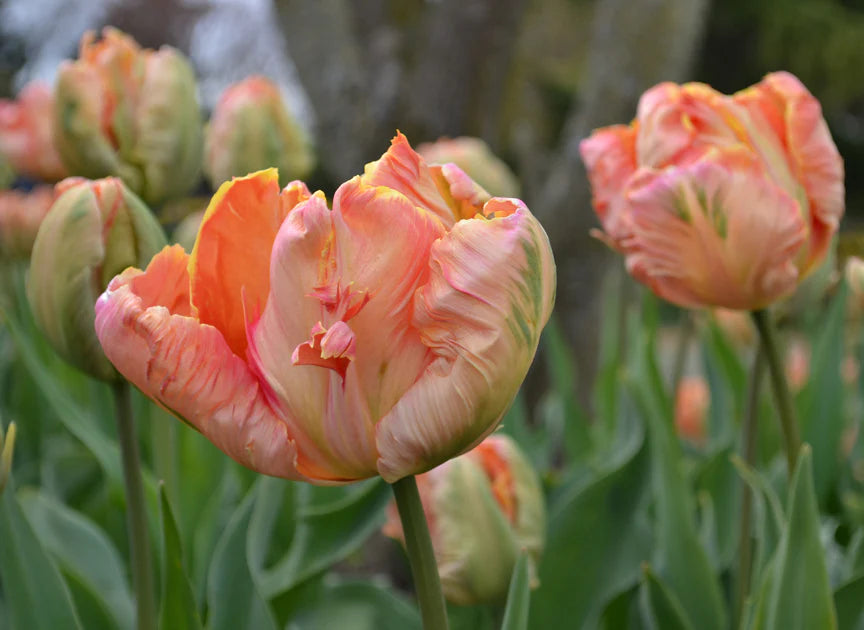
(800, 595)
(662, 607)
(179, 610)
(849, 600)
(36, 596)
(84, 553)
(518, 597)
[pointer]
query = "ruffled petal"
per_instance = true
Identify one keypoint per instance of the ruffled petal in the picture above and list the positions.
(403, 170)
(188, 367)
(230, 263)
(719, 232)
(490, 291)
(609, 155)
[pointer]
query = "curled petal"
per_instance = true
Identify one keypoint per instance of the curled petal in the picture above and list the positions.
(490, 292)
(609, 155)
(698, 240)
(188, 367)
(230, 262)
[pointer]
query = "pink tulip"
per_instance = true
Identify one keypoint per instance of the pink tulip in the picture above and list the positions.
(719, 200)
(384, 336)
(25, 134)
(692, 400)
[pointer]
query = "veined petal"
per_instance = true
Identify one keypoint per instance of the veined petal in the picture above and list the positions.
(403, 170)
(188, 367)
(230, 263)
(698, 242)
(490, 291)
(609, 155)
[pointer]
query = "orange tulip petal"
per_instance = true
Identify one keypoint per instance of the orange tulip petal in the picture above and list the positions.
(490, 292)
(188, 367)
(698, 242)
(230, 263)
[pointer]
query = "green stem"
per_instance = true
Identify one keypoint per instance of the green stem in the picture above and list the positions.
(136, 514)
(424, 569)
(749, 431)
(782, 396)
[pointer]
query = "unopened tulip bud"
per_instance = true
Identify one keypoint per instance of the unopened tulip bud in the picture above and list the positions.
(484, 508)
(252, 129)
(187, 230)
(474, 157)
(797, 364)
(691, 409)
(7, 446)
(21, 214)
(26, 138)
(125, 111)
(854, 272)
(94, 230)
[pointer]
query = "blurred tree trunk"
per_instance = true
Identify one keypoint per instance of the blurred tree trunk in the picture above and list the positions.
(635, 44)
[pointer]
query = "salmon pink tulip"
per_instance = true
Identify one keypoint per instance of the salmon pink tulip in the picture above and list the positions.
(21, 214)
(692, 399)
(719, 200)
(25, 134)
(382, 336)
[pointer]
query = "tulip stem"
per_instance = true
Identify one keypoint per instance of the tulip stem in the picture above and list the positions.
(782, 396)
(136, 514)
(749, 434)
(424, 569)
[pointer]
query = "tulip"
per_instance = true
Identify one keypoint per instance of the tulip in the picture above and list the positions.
(719, 200)
(692, 400)
(252, 129)
(736, 325)
(474, 157)
(384, 336)
(25, 134)
(21, 214)
(133, 113)
(797, 364)
(854, 273)
(187, 230)
(484, 508)
(94, 230)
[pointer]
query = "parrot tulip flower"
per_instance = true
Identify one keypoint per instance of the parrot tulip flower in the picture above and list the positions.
(251, 129)
(125, 111)
(692, 399)
(483, 508)
(380, 337)
(25, 134)
(21, 214)
(718, 200)
(474, 157)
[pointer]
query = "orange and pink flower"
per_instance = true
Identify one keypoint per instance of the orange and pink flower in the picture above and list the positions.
(26, 138)
(21, 214)
(384, 336)
(719, 200)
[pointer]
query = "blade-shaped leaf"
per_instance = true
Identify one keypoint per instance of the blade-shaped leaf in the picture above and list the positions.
(849, 600)
(179, 610)
(518, 597)
(36, 596)
(660, 605)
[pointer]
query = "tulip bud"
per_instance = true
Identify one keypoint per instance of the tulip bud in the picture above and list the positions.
(484, 508)
(129, 112)
(474, 157)
(187, 230)
(94, 230)
(691, 408)
(251, 129)
(797, 364)
(21, 214)
(854, 272)
(25, 134)
(7, 445)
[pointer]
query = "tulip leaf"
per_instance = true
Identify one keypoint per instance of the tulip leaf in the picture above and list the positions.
(820, 405)
(325, 534)
(367, 605)
(179, 610)
(849, 601)
(87, 558)
(233, 598)
(36, 596)
(663, 609)
(597, 537)
(518, 597)
(800, 595)
(74, 419)
(680, 558)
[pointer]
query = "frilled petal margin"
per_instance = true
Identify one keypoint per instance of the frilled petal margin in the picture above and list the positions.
(490, 292)
(143, 322)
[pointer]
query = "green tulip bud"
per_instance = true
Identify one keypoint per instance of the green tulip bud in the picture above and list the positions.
(474, 157)
(484, 509)
(133, 113)
(251, 129)
(94, 230)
